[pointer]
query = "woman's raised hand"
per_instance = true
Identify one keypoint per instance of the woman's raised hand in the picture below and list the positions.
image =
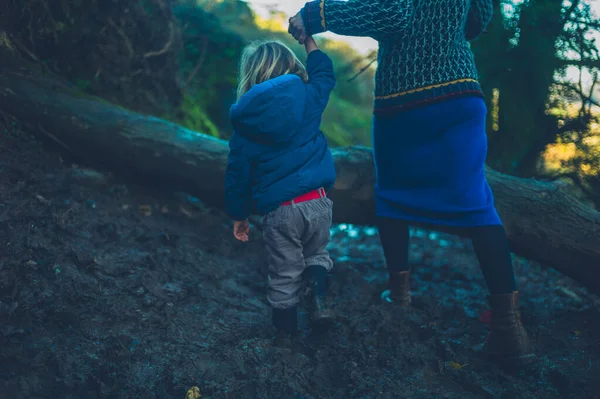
(297, 29)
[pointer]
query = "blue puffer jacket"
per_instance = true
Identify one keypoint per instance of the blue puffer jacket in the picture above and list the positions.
(278, 151)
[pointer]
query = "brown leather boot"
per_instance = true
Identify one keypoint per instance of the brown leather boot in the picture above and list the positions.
(508, 340)
(399, 289)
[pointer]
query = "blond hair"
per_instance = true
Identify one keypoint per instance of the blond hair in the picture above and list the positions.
(266, 60)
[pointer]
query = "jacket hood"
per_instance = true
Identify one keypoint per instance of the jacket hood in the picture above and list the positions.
(272, 111)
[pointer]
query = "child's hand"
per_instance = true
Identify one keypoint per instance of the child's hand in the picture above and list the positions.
(241, 228)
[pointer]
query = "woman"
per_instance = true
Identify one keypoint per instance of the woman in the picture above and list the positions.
(429, 139)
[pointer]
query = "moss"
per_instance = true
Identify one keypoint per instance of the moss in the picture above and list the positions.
(82, 84)
(5, 41)
(191, 114)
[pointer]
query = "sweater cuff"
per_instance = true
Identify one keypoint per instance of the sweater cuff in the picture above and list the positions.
(237, 216)
(315, 54)
(313, 16)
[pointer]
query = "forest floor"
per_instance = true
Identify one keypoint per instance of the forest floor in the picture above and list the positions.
(111, 290)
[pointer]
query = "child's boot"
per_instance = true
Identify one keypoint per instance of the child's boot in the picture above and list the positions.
(321, 312)
(398, 291)
(508, 342)
(286, 325)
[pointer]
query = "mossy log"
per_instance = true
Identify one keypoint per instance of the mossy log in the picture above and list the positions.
(543, 222)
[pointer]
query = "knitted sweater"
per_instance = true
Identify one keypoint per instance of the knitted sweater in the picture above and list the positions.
(424, 53)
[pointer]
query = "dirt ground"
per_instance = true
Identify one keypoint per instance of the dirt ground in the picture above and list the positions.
(109, 290)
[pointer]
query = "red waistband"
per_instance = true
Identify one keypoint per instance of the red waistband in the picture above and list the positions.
(313, 195)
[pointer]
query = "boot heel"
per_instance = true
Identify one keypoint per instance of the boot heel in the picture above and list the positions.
(398, 292)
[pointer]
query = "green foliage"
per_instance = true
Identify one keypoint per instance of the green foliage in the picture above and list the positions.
(524, 53)
(193, 116)
(175, 58)
(82, 84)
(345, 123)
(208, 63)
(347, 64)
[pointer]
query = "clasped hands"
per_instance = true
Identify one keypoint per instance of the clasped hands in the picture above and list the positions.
(297, 28)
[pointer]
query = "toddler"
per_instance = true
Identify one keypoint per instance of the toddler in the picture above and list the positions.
(281, 167)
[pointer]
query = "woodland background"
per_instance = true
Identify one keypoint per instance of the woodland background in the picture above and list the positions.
(119, 275)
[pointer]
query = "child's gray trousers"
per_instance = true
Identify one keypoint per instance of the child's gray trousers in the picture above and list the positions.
(295, 237)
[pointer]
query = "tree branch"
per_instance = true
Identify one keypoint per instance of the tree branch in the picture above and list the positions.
(579, 91)
(167, 45)
(199, 64)
(570, 10)
(589, 24)
(586, 63)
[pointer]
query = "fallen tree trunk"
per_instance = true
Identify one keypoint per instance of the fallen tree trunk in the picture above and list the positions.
(543, 222)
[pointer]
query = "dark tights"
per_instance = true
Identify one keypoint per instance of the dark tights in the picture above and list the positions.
(490, 244)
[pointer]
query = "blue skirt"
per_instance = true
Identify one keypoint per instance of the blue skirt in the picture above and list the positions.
(430, 165)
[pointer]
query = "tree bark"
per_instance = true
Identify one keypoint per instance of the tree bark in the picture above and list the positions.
(543, 222)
